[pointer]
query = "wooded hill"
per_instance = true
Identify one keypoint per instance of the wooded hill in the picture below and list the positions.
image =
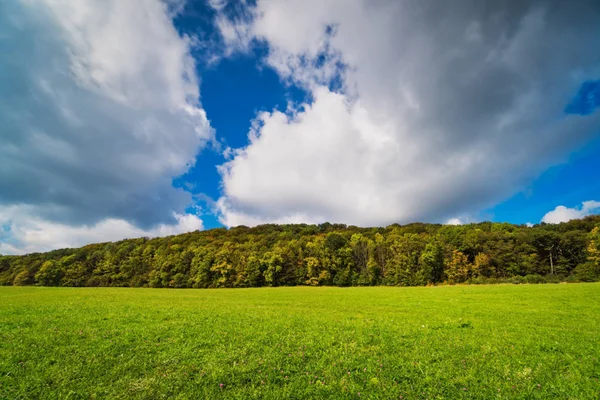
(326, 254)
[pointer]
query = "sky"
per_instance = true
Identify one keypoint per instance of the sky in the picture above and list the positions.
(123, 119)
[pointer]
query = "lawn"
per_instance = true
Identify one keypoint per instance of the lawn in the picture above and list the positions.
(477, 342)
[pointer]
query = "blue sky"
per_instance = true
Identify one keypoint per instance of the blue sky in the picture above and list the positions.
(149, 118)
(234, 91)
(569, 183)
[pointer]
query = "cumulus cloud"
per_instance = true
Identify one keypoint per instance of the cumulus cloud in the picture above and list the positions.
(100, 112)
(454, 221)
(420, 110)
(26, 233)
(564, 214)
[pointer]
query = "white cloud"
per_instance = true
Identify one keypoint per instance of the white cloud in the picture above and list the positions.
(28, 233)
(103, 113)
(564, 214)
(236, 36)
(454, 221)
(443, 108)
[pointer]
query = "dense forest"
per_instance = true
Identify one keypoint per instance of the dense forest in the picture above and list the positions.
(326, 254)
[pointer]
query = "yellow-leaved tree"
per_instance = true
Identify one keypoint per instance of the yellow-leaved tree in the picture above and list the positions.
(459, 268)
(590, 271)
(594, 247)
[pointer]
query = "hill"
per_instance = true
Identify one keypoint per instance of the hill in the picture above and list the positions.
(326, 254)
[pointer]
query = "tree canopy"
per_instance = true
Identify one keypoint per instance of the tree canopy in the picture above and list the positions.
(325, 254)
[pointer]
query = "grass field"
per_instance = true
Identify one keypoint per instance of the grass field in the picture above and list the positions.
(480, 342)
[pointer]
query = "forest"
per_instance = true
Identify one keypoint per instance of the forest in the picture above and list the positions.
(326, 254)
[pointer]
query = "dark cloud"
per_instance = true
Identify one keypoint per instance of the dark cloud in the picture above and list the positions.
(97, 115)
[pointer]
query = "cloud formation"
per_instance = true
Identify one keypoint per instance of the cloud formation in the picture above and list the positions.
(564, 214)
(101, 112)
(21, 231)
(420, 111)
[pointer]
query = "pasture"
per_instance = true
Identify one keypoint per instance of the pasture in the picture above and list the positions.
(450, 342)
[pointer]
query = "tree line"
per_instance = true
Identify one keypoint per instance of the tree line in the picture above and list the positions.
(325, 254)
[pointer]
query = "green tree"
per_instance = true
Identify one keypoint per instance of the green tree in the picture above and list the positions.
(272, 265)
(590, 270)
(22, 278)
(432, 262)
(201, 273)
(483, 266)
(49, 274)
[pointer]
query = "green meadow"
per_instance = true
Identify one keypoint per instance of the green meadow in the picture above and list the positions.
(449, 342)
